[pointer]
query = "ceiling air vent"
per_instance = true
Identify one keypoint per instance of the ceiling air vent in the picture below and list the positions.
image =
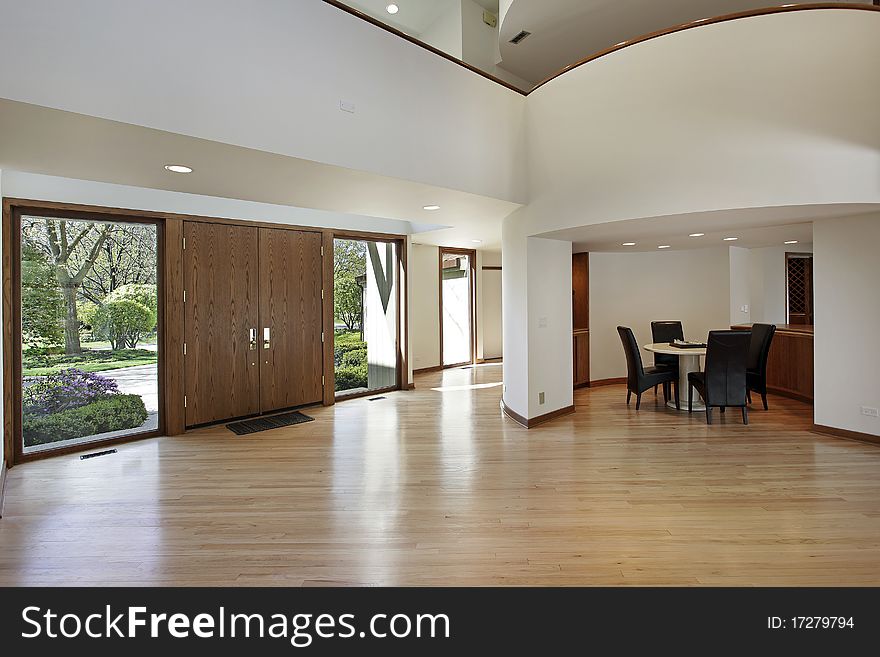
(519, 37)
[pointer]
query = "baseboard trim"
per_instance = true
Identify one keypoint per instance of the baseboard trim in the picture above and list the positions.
(846, 433)
(535, 421)
(2, 485)
(409, 386)
(426, 370)
(616, 381)
(481, 361)
(789, 394)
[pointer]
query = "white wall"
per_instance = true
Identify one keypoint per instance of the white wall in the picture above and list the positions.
(846, 273)
(767, 281)
(269, 75)
(489, 307)
(424, 327)
(2, 320)
(740, 279)
(480, 45)
(445, 33)
(634, 289)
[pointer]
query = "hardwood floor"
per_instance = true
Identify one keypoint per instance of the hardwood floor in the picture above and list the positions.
(435, 487)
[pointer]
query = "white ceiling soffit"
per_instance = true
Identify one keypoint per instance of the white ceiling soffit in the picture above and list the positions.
(566, 31)
(58, 143)
(754, 227)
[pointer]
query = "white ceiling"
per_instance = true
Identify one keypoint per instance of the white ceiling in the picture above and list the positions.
(566, 31)
(755, 227)
(53, 142)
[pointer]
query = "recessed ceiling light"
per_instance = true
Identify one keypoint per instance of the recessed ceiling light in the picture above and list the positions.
(792, 242)
(431, 208)
(696, 234)
(629, 243)
(731, 239)
(477, 241)
(392, 9)
(178, 168)
(663, 246)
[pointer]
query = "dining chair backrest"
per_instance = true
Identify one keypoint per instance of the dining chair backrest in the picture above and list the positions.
(759, 349)
(727, 353)
(666, 332)
(634, 367)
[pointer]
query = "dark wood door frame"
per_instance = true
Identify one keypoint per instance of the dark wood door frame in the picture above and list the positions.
(402, 311)
(472, 289)
(13, 209)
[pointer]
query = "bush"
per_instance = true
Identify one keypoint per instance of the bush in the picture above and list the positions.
(351, 377)
(123, 322)
(354, 358)
(112, 413)
(66, 390)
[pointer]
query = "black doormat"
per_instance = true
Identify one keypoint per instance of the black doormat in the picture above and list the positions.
(266, 423)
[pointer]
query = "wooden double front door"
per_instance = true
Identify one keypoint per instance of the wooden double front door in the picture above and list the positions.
(252, 320)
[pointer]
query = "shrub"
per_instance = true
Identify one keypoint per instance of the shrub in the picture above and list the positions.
(112, 413)
(354, 358)
(123, 322)
(66, 390)
(351, 377)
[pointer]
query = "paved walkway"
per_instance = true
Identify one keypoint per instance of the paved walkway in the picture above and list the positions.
(142, 380)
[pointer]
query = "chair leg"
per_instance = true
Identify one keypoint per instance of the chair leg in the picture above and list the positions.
(638, 400)
(745, 414)
(764, 399)
(690, 397)
(723, 408)
(655, 390)
(666, 393)
(749, 396)
(677, 400)
(708, 414)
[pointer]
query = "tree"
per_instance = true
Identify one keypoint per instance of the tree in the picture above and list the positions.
(73, 248)
(349, 258)
(42, 307)
(127, 257)
(347, 301)
(143, 293)
(123, 322)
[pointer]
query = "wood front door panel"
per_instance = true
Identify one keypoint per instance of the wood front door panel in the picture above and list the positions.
(291, 363)
(221, 308)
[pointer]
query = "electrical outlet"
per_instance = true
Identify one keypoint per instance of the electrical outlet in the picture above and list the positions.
(870, 412)
(540, 397)
(542, 322)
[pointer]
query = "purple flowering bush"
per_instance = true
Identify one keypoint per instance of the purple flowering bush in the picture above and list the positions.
(68, 389)
(75, 404)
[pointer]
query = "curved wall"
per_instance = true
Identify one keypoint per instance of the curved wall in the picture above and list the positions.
(763, 111)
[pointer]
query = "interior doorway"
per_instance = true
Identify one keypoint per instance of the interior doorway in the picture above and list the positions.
(457, 295)
(799, 288)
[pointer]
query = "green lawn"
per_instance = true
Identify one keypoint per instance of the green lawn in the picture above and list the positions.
(88, 361)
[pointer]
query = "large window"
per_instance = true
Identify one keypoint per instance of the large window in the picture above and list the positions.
(88, 311)
(365, 297)
(456, 306)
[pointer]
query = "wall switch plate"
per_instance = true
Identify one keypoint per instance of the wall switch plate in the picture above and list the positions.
(540, 397)
(870, 412)
(346, 106)
(744, 308)
(542, 322)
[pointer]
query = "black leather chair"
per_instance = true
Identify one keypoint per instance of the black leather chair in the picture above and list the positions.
(756, 367)
(723, 383)
(639, 378)
(666, 332)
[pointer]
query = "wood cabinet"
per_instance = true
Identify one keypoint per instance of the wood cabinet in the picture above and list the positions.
(790, 362)
(580, 314)
(252, 320)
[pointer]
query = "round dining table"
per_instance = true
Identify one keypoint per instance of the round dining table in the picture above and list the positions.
(688, 361)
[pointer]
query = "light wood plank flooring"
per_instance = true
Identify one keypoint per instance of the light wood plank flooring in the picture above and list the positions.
(435, 487)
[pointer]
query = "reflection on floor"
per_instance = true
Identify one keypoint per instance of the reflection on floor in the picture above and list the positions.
(434, 486)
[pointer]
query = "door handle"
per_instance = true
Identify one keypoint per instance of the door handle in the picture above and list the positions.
(252, 339)
(266, 336)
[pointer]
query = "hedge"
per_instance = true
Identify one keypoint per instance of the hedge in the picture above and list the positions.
(113, 413)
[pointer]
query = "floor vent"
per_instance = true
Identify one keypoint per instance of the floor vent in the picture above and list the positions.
(375, 398)
(269, 422)
(519, 37)
(94, 454)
